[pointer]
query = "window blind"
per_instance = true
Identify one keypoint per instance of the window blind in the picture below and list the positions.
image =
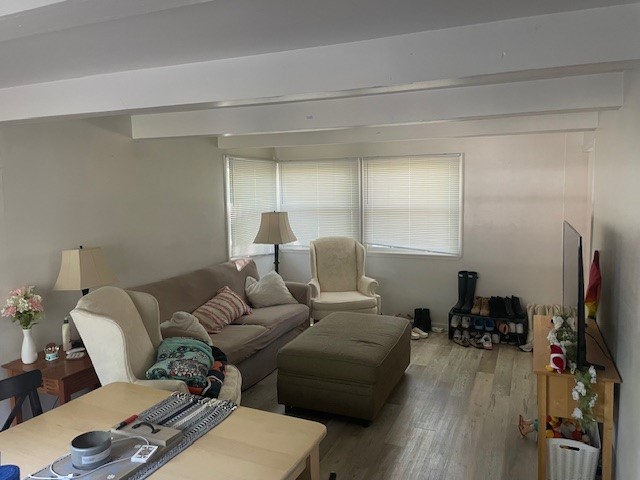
(251, 190)
(322, 198)
(412, 204)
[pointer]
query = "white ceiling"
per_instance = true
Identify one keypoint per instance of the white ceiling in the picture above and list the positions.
(44, 40)
(249, 67)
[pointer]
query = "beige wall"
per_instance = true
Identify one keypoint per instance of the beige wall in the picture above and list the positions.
(617, 236)
(155, 207)
(513, 210)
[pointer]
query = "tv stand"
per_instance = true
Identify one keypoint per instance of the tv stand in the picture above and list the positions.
(554, 389)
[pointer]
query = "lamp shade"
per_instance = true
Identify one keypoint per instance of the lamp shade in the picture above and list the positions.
(83, 268)
(275, 229)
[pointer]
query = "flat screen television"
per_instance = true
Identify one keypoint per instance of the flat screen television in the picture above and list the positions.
(573, 288)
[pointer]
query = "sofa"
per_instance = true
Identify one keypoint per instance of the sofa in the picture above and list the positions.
(252, 341)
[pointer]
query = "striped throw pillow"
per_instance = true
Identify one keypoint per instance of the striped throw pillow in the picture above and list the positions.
(221, 310)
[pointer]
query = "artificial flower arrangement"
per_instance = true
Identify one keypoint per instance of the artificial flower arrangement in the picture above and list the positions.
(24, 306)
(562, 339)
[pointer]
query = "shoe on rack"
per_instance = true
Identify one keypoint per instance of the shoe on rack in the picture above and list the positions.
(493, 307)
(484, 307)
(503, 327)
(466, 338)
(462, 290)
(517, 308)
(457, 337)
(478, 324)
(508, 308)
(476, 342)
(475, 310)
(486, 342)
(495, 338)
(472, 278)
(455, 321)
(512, 327)
(519, 328)
(489, 325)
(466, 322)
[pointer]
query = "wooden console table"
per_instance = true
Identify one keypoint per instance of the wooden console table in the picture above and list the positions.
(60, 377)
(554, 390)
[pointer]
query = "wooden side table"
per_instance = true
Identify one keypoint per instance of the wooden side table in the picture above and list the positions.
(554, 390)
(60, 377)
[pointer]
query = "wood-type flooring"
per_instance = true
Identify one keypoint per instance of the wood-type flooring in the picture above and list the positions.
(453, 416)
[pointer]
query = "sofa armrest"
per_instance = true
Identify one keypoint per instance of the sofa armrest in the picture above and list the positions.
(300, 291)
(315, 287)
(367, 286)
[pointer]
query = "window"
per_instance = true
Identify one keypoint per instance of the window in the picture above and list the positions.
(412, 204)
(322, 198)
(251, 190)
(390, 204)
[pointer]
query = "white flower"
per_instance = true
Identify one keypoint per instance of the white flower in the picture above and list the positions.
(552, 337)
(592, 402)
(557, 322)
(592, 372)
(577, 413)
(575, 395)
(571, 322)
(582, 390)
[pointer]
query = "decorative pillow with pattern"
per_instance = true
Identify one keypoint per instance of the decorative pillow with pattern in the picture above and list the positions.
(221, 310)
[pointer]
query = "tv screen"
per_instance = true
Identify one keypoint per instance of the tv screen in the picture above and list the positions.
(573, 287)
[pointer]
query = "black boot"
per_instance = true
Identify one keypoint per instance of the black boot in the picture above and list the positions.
(462, 290)
(417, 318)
(426, 320)
(509, 308)
(517, 308)
(472, 277)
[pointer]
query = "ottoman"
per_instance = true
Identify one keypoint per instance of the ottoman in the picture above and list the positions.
(346, 364)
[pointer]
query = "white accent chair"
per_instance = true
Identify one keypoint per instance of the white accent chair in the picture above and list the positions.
(121, 332)
(338, 283)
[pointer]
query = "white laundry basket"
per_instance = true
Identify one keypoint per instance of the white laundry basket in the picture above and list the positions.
(572, 460)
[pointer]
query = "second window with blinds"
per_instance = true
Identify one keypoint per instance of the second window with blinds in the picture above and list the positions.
(391, 204)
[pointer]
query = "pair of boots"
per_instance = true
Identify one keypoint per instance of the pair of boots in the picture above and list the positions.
(421, 323)
(466, 291)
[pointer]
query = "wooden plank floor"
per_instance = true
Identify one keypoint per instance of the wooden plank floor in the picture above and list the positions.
(453, 416)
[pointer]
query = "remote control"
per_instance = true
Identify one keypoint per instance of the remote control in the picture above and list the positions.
(75, 355)
(76, 350)
(144, 453)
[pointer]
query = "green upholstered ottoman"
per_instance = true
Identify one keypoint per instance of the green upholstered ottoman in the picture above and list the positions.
(346, 364)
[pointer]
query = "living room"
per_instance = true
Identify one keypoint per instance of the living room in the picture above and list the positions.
(94, 169)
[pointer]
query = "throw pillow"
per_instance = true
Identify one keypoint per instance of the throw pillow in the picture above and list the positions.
(183, 324)
(221, 310)
(270, 290)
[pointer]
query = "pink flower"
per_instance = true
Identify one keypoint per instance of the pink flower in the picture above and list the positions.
(35, 304)
(9, 311)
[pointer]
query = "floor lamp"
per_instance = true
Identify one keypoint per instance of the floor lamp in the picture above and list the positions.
(275, 230)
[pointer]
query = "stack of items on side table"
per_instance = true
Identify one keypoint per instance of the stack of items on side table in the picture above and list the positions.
(483, 321)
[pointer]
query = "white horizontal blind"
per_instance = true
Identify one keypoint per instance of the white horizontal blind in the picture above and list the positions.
(251, 190)
(322, 198)
(412, 204)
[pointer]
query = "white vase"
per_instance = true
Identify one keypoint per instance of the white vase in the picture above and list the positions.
(29, 353)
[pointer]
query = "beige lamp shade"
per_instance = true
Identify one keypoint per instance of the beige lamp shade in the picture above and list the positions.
(275, 229)
(83, 268)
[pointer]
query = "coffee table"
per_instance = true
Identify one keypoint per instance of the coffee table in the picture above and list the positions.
(249, 444)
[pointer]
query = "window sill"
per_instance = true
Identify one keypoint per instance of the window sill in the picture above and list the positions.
(378, 253)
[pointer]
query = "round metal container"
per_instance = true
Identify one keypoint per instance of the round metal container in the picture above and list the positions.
(90, 450)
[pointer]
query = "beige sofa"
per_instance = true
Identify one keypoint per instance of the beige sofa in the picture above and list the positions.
(252, 341)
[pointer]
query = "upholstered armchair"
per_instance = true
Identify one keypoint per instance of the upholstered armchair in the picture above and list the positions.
(338, 283)
(121, 332)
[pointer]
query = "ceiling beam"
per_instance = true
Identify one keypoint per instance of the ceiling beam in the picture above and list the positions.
(558, 95)
(580, 40)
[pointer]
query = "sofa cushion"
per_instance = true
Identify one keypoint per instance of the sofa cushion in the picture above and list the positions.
(343, 301)
(278, 320)
(269, 290)
(239, 341)
(221, 310)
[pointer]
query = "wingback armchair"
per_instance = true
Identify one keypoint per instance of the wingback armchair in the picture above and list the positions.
(121, 332)
(338, 282)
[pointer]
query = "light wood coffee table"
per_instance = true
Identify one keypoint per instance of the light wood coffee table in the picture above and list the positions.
(249, 444)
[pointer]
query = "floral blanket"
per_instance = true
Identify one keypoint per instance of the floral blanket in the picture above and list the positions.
(199, 365)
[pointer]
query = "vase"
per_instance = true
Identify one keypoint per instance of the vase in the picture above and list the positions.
(29, 354)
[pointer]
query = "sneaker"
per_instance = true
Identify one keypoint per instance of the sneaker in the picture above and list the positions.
(420, 333)
(466, 321)
(495, 338)
(478, 324)
(489, 325)
(512, 327)
(457, 337)
(414, 335)
(486, 342)
(455, 321)
(466, 339)
(519, 328)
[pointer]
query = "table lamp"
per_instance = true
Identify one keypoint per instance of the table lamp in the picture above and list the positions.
(275, 230)
(82, 269)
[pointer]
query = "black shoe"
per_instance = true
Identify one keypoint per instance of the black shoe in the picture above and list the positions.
(426, 320)
(472, 277)
(508, 308)
(462, 290)
(517, 308)
(417, 318)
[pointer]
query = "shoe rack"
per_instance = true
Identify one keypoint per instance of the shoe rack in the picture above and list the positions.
(510, 338)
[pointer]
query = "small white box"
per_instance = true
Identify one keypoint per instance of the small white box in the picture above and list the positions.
(572, 460)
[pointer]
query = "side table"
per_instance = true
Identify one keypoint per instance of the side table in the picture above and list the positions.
(60, 378)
